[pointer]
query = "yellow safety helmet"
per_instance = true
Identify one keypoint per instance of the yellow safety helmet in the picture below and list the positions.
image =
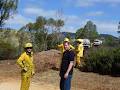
(27, 45)
(66, 40)
(79, 40)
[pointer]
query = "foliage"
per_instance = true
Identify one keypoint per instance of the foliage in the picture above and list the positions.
(101, 60)
(116, 64)
(111, 41)
(52, 42)
(119, 29)
(41, 30)
(68, 35)
(7, 9)
(23, 37)
(7, 51)
(89, 31)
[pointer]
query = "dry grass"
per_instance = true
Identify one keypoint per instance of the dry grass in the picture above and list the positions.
(47, 60)
(80, 81)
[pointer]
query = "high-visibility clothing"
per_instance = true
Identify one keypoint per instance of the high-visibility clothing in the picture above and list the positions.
(79, 53)
(27, 45)
(79, 40)
(79, 50)
(25, 61)
(66, 40)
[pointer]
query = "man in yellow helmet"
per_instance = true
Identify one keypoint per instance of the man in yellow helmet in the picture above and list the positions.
(25, 61)
(79, 51)
(61, 46)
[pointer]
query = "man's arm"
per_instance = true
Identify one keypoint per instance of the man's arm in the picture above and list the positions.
(72, 47)
(69, 69)
(61, 45)
(20, 61)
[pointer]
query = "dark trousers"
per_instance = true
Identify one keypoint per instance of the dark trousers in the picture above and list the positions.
(65, 84)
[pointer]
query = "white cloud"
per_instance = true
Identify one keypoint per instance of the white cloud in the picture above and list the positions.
(97, 13)
(18, 19)
(69, 29)
(107, 27)
(84, 3)
(103, 27)
(111, 1)
(39, 12)
(87, 3)
(72, 19)
(72, 22)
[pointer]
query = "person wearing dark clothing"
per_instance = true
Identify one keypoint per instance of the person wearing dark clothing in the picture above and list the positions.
(66, 69)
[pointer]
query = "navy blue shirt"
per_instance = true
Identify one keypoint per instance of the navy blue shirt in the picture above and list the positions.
(68, 56)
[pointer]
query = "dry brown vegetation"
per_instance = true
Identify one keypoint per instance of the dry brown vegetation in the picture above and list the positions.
(49, 79)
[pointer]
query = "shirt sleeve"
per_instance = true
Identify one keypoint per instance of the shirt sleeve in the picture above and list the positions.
(61, 45)
(20, 61)
(71, 56)
(72, 47)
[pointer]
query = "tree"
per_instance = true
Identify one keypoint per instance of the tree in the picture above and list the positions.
(59, 23)
(80, 33)
(7, 9)
(68, 35)
(89, 31)
(119, 31)
(41, 33)
(92, 30)
(55, 27)
(30, 29)
(23, 37)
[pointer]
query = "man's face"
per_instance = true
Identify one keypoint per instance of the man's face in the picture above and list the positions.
(66, 46)
(29, 49)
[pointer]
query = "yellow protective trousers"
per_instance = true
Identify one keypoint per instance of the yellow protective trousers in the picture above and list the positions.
(25, 82)
(78, 60)
(79, 53)
(25, 61)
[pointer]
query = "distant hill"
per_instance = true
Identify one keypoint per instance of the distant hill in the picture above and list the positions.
(107, 36)
(102, 36)
(71, 34)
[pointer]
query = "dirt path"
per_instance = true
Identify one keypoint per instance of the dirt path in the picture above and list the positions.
(10, 79)
(49, 80)
(15, 85)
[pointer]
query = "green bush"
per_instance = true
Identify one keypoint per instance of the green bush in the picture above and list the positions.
(99, 60)
(116, 64)
(7, 51)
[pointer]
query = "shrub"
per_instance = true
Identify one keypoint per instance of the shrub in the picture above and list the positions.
(116, 64)
(7, 51)
(99, 60)
(47, 60)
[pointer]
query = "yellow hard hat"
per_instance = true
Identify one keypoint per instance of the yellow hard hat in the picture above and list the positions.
(66, 40)
(27, 45)
(79, 40)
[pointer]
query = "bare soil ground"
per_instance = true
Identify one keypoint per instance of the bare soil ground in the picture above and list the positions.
(49, 79)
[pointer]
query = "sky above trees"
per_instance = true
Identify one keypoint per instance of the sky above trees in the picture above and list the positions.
(104, 13)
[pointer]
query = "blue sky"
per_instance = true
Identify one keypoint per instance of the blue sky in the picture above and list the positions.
(104, 13)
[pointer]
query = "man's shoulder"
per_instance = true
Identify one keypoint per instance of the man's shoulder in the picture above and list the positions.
(71, 51)
(24, 53)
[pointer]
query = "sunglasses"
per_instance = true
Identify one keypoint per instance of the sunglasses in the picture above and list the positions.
(29, 48)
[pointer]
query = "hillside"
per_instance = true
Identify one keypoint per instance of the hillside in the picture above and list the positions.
(71, 34)
(107, 36)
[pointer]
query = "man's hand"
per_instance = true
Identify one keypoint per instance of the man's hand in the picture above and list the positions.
(66, 75)
(25, 69)
(33, 73)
